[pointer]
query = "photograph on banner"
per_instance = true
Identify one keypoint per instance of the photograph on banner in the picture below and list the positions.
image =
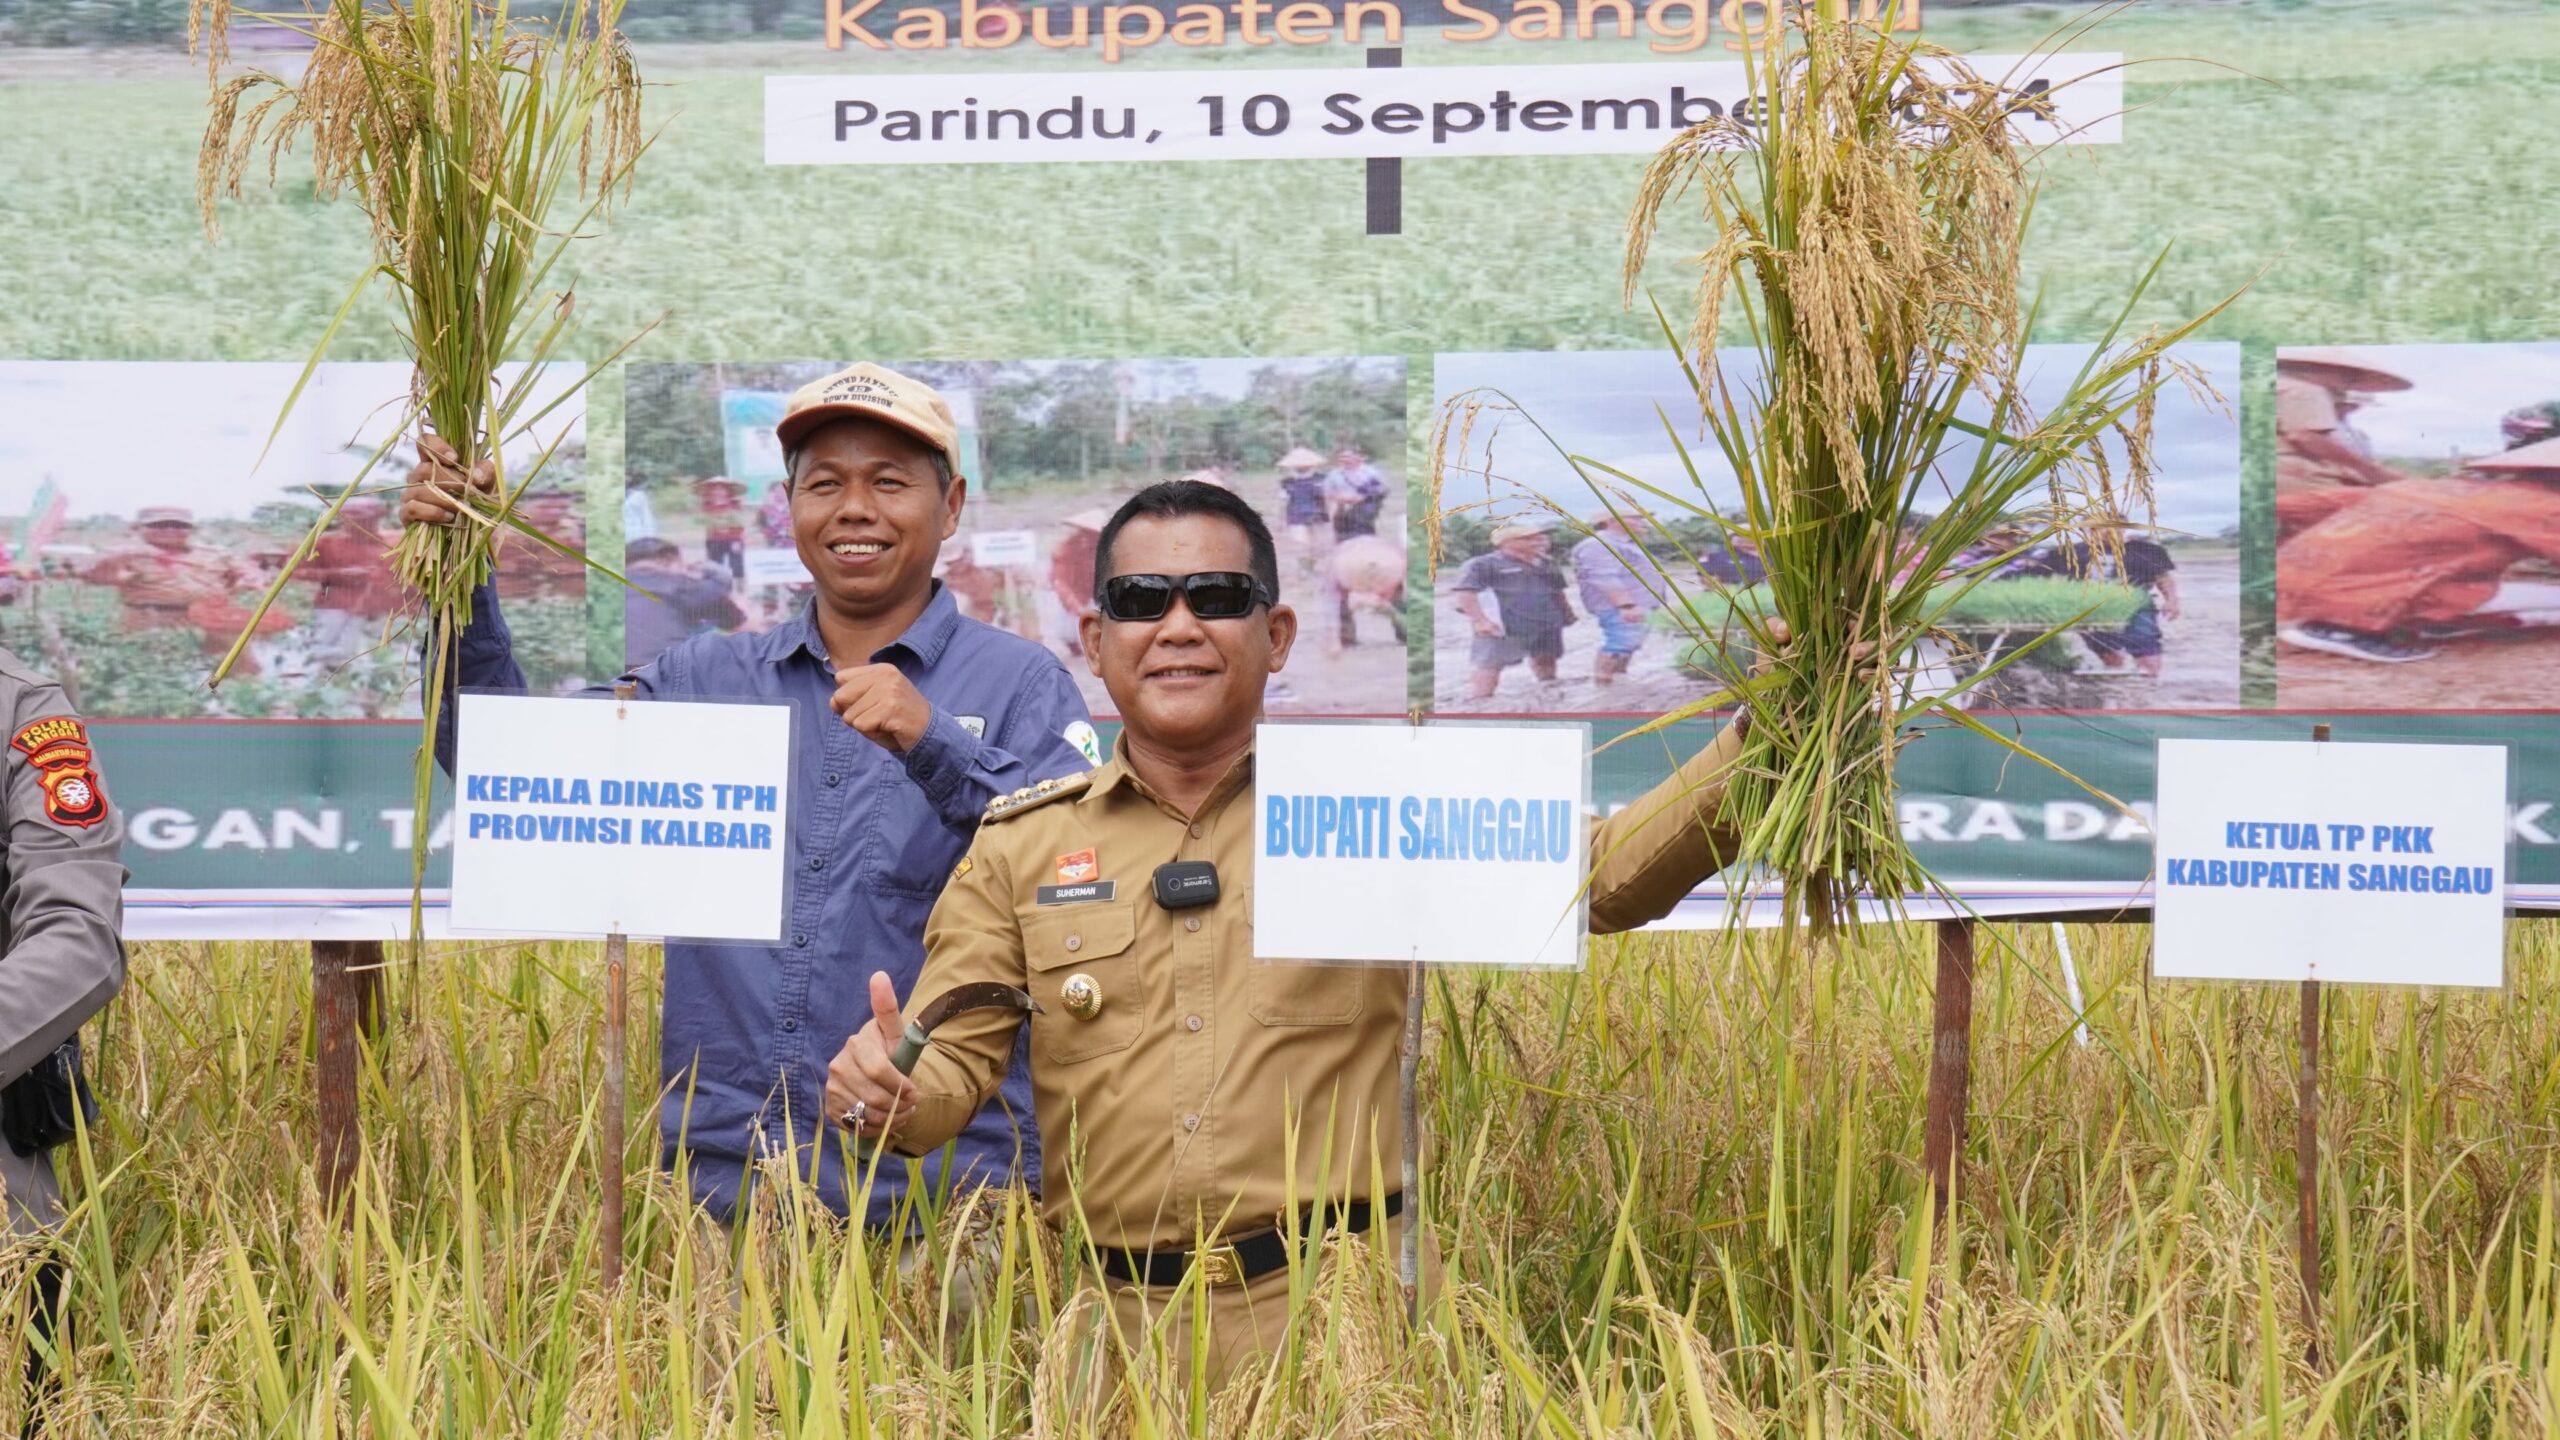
(1538, 612)
(2418, 524)
(1050, 449)
(131, 564)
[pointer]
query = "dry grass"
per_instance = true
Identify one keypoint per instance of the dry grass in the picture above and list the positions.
(1676, 1196)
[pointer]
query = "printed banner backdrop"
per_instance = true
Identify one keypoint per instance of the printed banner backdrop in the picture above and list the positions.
(2367, 529)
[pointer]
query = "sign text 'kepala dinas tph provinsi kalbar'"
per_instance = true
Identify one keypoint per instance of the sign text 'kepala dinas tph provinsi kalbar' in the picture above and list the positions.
(592, 817)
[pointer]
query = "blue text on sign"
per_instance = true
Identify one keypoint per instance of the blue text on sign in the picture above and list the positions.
(1416, 827)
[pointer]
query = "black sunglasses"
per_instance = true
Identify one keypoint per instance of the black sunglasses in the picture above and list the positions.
(1211, 594)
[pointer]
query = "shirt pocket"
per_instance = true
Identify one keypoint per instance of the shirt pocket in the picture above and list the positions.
(911, 850)
(1095, 941)
(1292, 992)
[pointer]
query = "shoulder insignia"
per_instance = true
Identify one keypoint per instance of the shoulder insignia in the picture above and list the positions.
(1036, 795)
(58, 748)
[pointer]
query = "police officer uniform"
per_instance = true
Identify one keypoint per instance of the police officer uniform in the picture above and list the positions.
(1182, 1087)
(61, 911)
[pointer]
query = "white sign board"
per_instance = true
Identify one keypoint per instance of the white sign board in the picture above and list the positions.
(2310, 860)
(999, 548)
(586, 817)
(1449, 844)
(776, 567)
(879, 115)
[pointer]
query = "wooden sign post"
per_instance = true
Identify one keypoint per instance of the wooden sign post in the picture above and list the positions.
(573, 818)
(1950, 1063)
(616, 1101)
(2306, 1147)
(2320, 864)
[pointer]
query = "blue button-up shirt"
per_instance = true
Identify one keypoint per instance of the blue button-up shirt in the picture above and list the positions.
(748, 1030)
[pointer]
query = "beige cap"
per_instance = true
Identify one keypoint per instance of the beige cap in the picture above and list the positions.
(2540, 455)
(165, 515)
(1516, 531)
(2361, 373)
(1301, 458)
(872, 392)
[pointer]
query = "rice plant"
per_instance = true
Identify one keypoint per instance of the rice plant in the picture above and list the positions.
(466, 133)
(1866, 224)
(1666, 1194)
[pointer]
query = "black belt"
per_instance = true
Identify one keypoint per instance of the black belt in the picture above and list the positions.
(1242, 1260)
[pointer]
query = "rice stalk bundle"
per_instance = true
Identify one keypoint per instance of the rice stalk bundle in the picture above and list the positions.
(464, 132)
(1866, 222)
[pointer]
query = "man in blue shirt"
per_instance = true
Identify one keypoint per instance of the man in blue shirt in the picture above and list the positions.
(933, 716)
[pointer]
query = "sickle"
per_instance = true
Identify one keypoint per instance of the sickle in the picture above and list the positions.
(984, 995)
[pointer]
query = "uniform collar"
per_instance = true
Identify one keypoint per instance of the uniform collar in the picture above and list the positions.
(926, 639)
(1115, 772)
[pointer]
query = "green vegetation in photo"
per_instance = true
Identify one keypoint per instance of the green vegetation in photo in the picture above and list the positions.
(2031, 602)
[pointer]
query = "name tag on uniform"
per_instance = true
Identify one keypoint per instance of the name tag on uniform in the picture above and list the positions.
(1076, 894)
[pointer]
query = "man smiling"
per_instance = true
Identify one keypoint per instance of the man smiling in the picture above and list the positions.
(939, 714)
(1203, 1095)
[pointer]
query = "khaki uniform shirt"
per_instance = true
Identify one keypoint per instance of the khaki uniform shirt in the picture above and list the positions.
(1208, 1092)
(61, 902)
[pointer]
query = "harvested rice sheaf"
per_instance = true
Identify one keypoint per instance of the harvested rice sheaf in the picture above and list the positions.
(1864, 234)
(479, 142)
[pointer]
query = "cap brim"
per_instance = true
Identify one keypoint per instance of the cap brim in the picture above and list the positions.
(2360, 377)
(793, 428)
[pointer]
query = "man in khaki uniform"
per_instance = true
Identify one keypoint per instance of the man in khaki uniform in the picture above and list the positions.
(1181, 1086)
(61, 908)
(2323, 463)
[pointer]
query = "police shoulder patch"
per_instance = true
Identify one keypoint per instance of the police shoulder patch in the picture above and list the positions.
(58, 749)
(1031, 796)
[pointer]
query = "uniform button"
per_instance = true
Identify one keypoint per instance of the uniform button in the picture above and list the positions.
(833, 777)
(1199, 832)
(817, 862)
(800, 940)
(1075, 942)
(1192, 1022)
(1190, 1122)
(789, 1026)
(1192, 924)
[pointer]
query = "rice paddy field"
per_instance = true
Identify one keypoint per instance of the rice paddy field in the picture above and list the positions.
(1678, 1195)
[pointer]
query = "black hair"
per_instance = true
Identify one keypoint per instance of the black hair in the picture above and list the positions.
(1174, 499)
(791, 453)
(650, 547)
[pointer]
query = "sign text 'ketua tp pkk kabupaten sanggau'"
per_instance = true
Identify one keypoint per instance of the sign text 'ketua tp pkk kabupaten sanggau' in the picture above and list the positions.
(2311, 860)
(1449, 844)
(588, 817)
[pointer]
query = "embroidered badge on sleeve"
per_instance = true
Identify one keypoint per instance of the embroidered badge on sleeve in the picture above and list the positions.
(58, 748)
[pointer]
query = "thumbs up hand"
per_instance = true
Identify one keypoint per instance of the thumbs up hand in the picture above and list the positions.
(865, 1093)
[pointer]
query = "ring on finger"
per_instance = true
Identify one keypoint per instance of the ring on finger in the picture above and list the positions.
(854, 1117)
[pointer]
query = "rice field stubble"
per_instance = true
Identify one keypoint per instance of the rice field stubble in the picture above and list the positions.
(1678, 1195)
